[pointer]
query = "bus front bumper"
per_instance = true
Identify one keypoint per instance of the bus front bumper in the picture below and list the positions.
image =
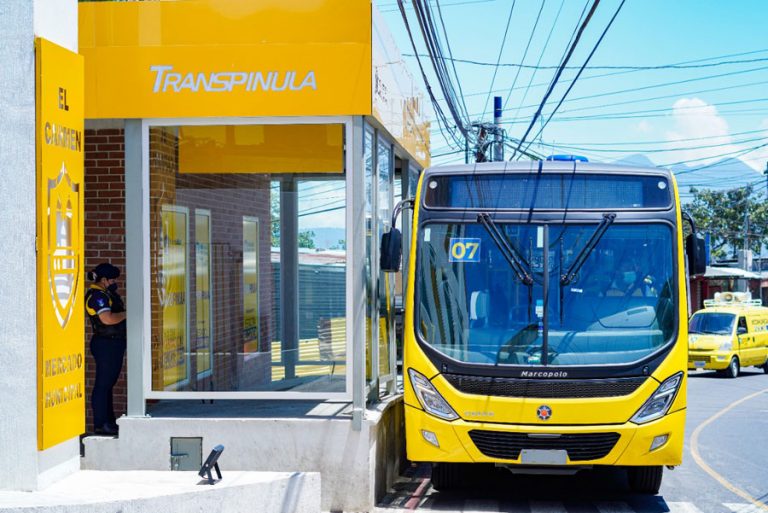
(431, 439)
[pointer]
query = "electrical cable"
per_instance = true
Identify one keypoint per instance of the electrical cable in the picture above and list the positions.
(427, 27)
(498, 59)
(440, 115)
(557, 75)
(453, 64)
(525, 54)
(541, 56)
(539, 67)
(578, 74)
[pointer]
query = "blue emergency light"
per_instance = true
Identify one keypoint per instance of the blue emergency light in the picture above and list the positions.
(567, 158)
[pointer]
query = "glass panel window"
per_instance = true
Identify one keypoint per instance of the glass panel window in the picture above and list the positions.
(480, 304)
(370, 306)
(224, 243)
(384, 169)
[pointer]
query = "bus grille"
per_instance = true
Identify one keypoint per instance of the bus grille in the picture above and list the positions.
(544, 389)
(580, 446)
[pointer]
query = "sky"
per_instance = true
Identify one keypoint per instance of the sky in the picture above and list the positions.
(694, 116)
(690, 115)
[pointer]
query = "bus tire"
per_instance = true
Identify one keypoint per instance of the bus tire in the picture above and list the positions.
(733, 368)
(765, 367)
(446, 476)
(645, 479)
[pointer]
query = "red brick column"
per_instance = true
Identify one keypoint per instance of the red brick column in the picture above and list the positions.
(104, 232)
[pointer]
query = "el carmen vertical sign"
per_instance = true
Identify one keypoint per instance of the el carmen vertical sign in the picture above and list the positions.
(60, 288)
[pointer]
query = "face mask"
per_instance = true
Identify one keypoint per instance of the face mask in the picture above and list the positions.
(112, 288)
(630, 277)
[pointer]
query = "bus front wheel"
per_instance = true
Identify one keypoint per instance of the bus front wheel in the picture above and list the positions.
(645, 479)
(446, 476)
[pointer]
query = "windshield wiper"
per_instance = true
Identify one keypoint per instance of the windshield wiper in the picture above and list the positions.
(515, 259)
(573, 270)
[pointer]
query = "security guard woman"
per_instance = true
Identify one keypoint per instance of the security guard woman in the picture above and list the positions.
(106, 310)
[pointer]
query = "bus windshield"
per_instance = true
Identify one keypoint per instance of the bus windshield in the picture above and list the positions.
(475, 303)
(712, 323)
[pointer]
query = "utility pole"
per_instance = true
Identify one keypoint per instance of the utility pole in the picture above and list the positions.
(489, 145)
(498, 150)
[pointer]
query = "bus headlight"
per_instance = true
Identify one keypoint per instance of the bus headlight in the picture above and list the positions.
(660, 401)
(727, 345)
(430, 399)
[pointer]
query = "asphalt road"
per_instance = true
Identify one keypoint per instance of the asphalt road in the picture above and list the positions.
(725, 467)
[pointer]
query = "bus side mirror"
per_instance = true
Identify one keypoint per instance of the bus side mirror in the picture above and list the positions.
(391, 251)
(391, 248)
(696, 250)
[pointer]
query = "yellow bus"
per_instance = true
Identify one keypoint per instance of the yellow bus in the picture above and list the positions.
(545, 324)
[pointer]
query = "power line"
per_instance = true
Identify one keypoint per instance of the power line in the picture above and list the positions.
(438, 109)
(557, 74)
(393, 6)
(615, 73)
(429, 33)
(498, 59)
(628, 143)
(656, 150)
(578, 74)
(623, 114)
(450, 54)
(538, 67)
(525, 54)
(541, 56)
(733, 154)
(666, 96)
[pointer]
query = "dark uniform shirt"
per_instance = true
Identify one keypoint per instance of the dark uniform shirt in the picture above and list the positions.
(98, 301)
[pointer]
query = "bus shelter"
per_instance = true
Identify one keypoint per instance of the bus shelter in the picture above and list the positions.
(260, 148)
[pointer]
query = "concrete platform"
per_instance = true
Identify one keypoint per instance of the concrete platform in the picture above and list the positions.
(356, 466)
(171, 492)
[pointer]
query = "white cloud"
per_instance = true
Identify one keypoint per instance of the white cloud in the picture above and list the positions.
(696, 119)
(644, 127)
(758, 159)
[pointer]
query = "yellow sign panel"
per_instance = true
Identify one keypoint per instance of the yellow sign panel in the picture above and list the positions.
(203, 292)
(250, 285)
(60, 291)
(261, 149)
(173, 297)
(204, 58)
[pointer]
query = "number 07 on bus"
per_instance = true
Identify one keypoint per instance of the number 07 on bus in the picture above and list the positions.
(545, 324)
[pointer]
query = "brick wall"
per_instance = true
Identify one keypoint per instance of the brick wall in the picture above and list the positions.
(104, 231)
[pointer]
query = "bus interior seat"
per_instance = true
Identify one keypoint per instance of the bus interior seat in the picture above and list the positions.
(478, 308)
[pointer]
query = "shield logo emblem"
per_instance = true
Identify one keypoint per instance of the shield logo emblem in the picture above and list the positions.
(544, 412)
(63, 243)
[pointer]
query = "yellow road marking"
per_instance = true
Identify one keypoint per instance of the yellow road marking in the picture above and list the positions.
(709, 470)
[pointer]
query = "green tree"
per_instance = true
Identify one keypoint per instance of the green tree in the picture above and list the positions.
(307, 239)
(722, 214)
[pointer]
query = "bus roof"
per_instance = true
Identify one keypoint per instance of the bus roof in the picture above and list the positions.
(545, 167)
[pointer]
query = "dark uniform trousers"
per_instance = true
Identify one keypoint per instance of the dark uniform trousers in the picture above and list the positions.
(108, 353)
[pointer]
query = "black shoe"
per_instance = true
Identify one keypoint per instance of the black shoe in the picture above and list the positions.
(106, 429)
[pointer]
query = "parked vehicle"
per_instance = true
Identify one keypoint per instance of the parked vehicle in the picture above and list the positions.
(731, 332)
